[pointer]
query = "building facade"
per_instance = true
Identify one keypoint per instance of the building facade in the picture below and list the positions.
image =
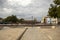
(49, 20)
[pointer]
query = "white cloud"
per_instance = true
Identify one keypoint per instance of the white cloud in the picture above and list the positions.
(19, 2)
(6, 10)
(24, 8)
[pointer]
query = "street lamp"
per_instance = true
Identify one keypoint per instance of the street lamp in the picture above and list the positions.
(32, 21)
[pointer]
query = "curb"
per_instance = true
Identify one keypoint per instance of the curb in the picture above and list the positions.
(22, 34)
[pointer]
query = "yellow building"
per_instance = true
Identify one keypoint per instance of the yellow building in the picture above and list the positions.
(43, 21)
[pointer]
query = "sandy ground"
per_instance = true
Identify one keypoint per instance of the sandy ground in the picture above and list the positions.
(10, 33)
(37, 33)
(33, 33)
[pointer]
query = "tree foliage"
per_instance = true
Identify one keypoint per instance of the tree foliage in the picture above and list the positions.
(57, 2)
(12, 19)
(54, 10)
(34, 21)
(21, 20)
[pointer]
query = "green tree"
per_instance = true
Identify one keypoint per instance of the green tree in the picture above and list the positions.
(21, 20)
(34, 21)
(12, 19)
(57, 2)
(54, 10)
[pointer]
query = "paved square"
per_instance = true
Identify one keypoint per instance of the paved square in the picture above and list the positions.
(10, 33)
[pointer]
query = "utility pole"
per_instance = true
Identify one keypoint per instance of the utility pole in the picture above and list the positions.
(32, 21)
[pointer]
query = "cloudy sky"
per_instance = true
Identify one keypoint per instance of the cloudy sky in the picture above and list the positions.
(24, 8)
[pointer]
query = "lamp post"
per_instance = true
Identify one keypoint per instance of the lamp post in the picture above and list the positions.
(32, 21)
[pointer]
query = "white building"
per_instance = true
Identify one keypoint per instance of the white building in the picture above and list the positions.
(54, 20)
(49, 20)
